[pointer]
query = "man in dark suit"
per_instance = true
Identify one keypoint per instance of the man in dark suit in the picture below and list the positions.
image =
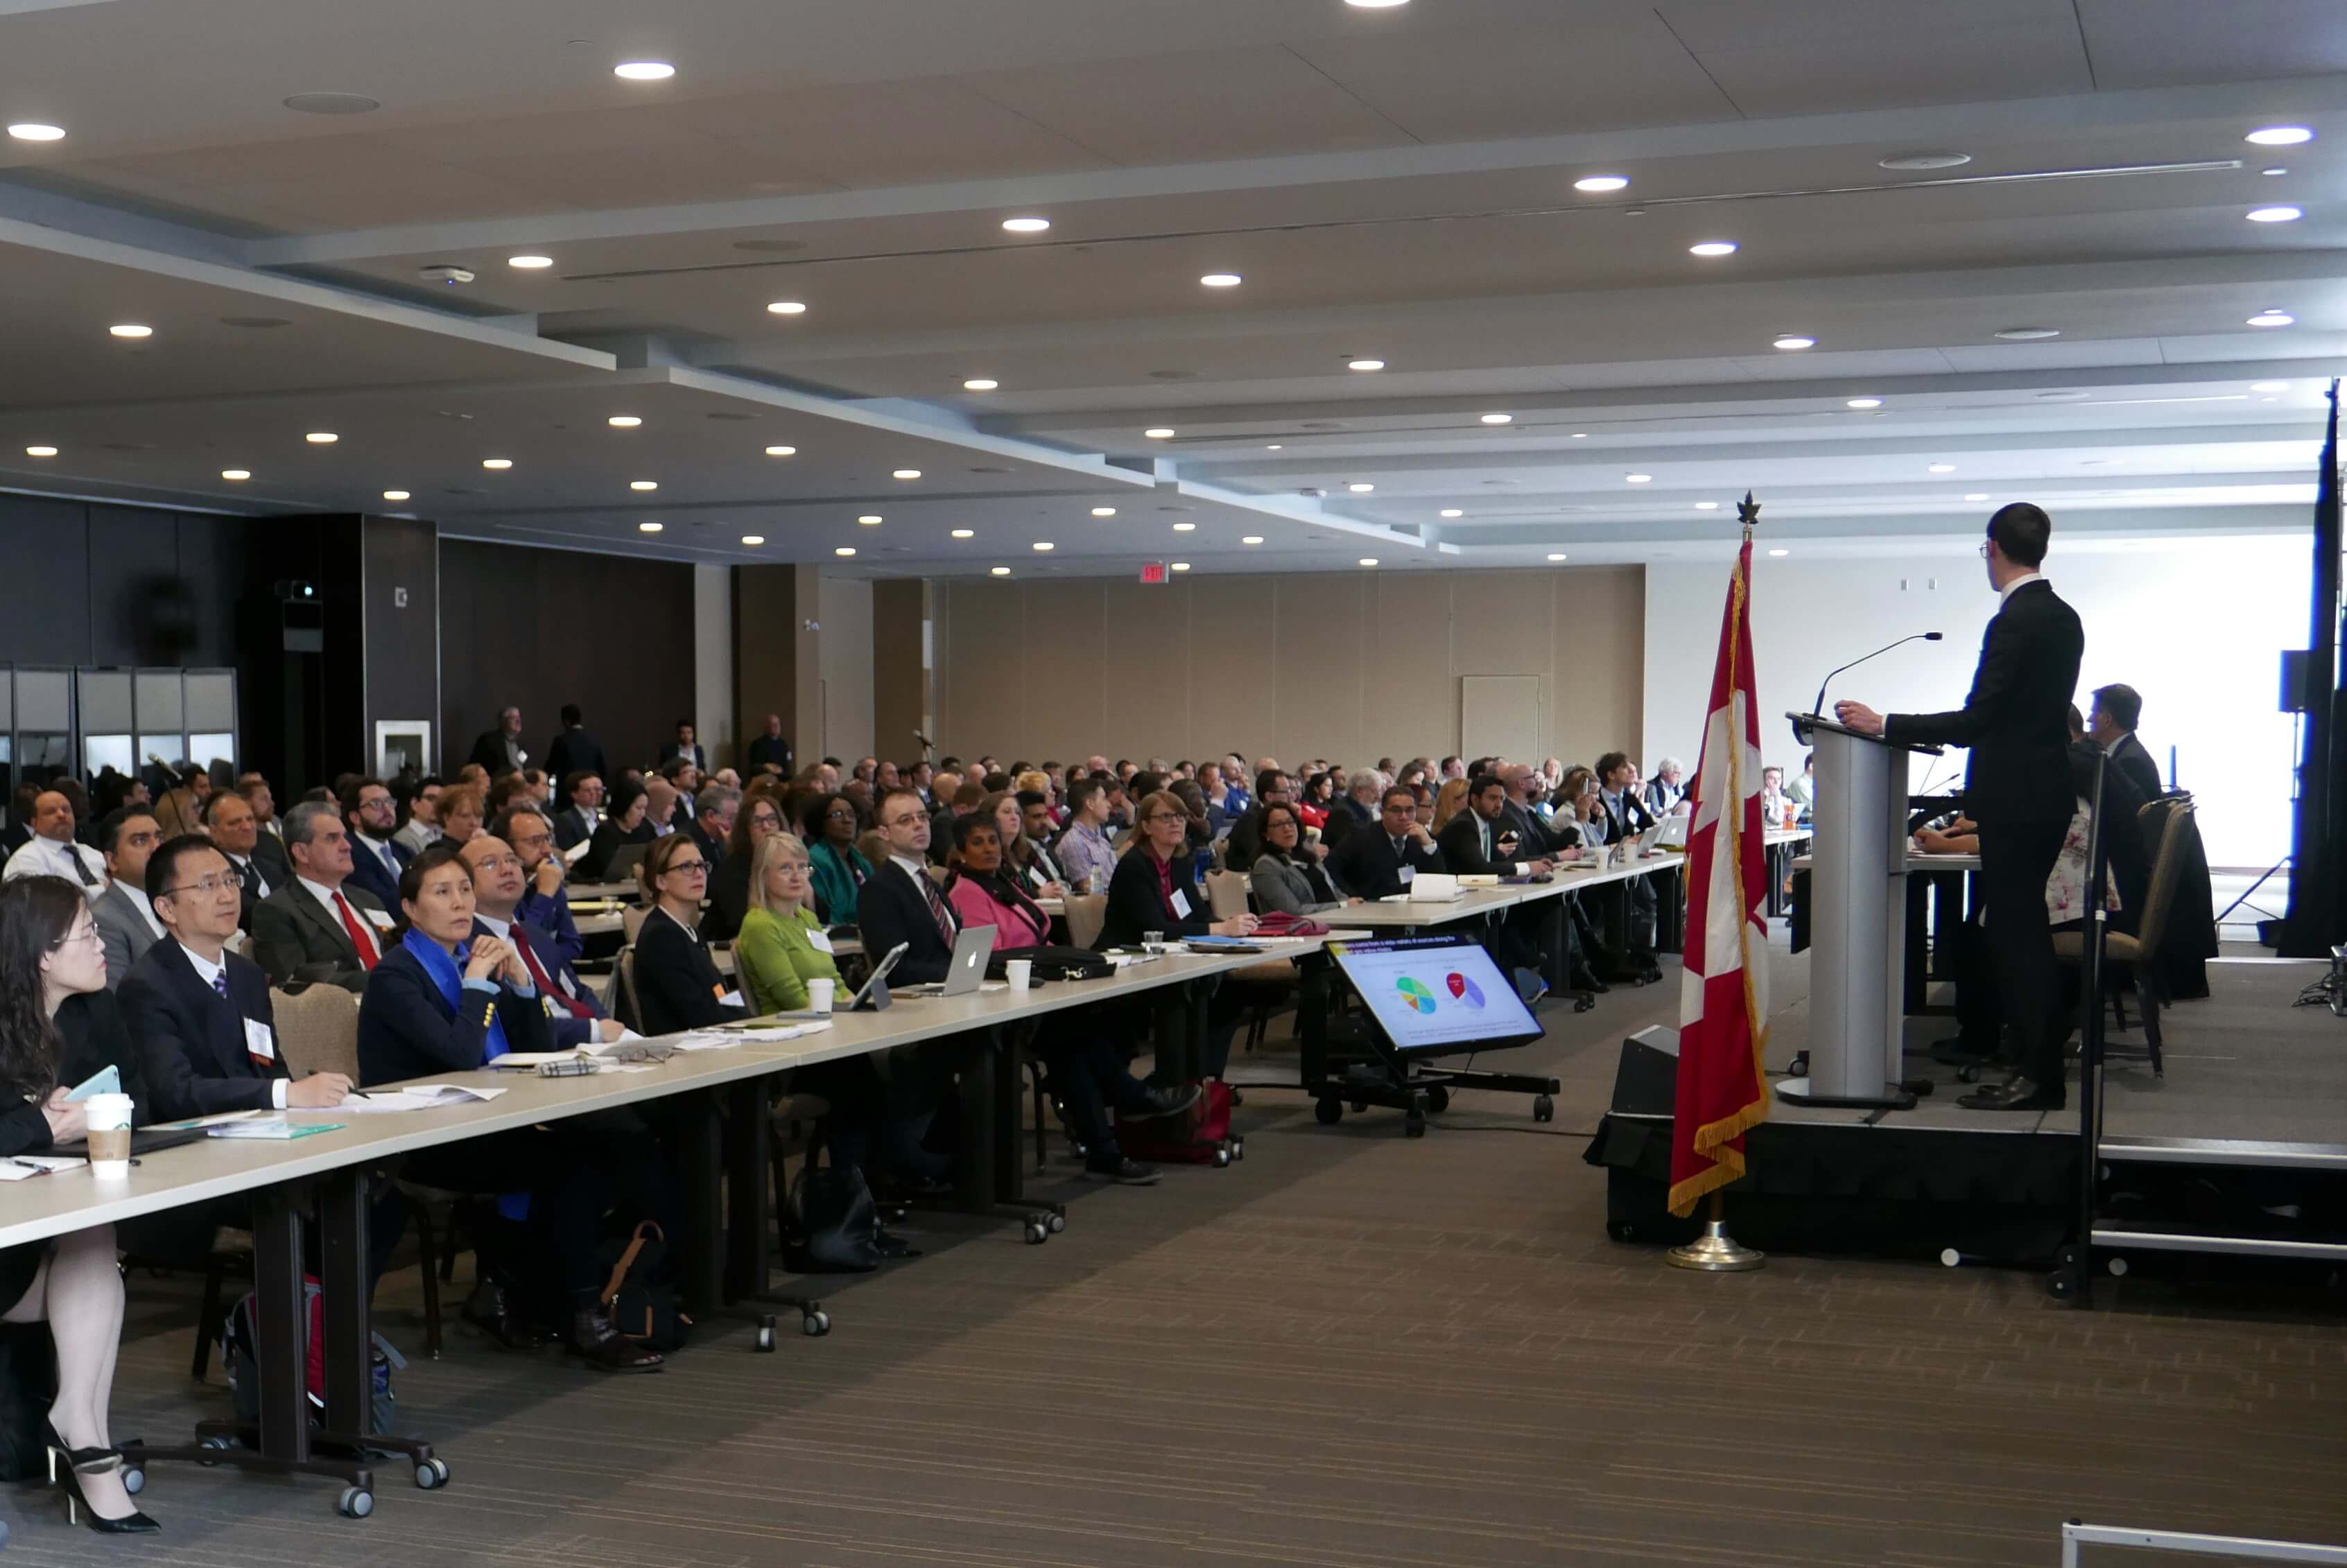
(713, 811)
(200, 1013)
(370, 816)
(583, 809)
(499, 879)
(1483, 840)
(2111, 723)
(685, 746)
(1381, 864)
(2017, 787)
(544, 902)
(499, 749)
(316, 929)
(268, 842)
(575, 750)
(235, 832)
(1628, 908)
(769, 753)
(900, 903)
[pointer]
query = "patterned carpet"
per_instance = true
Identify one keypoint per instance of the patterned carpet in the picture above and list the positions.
(1350, 1351)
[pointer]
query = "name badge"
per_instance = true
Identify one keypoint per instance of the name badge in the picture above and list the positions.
(260, 1041)
(819, 941)
(1409, 875)
(379, 919)
(562, 978)
(1181, 904)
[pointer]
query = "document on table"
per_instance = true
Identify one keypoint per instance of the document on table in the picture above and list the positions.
(727, 1038)
(271, 1127)
(19, 1167)
(415, 1097)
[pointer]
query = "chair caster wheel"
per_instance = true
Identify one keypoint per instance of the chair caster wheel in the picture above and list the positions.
(765, 1344)
(815, 1323)
(1620, 1231)
(356, 1502)
(1056, 1223)
(211, 1443)
(1037, 1233)
(1800, 1067)
(1238, 1148)
(1585, 1003)
(1414, 1125)
(2119, 1268)
(2069, 1255)
(1544, 1109)
(1360, 1106)
(2063, 1286)
(431, 1475)
(1968, 1073)
(1438, 1098)
(1328, 1110)
(1222, 1155)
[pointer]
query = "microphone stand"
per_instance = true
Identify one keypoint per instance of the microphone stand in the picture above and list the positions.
(1818, 707)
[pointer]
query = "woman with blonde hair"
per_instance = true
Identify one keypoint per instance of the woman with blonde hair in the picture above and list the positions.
(781, 945)
(1449, 802)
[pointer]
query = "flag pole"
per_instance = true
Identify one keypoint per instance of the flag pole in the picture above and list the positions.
(1713, 1251)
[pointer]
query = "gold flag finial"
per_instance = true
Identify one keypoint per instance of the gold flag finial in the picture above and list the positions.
(1748, 512)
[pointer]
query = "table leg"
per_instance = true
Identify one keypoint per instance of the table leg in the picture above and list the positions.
(700, 1250)
(749, 1181)
(281, 1322)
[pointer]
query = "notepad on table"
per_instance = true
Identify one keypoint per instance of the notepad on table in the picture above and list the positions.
(271, 1127)
(16, 1168)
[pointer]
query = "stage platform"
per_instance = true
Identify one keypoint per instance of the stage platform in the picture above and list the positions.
(2252, 1082)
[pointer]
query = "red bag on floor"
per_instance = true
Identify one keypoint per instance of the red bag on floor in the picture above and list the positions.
(1200, 1136)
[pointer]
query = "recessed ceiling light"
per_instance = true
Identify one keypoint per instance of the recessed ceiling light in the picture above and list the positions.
(130, 329)
(498, 463)
(1273, 446)
(33, 130)
(1453, 512)
(40, 451)
(1103, 511)
(648, 528)
(905, 474)
(1181, 566)
(844, 550)
(1369, 560)
(1158, 432)
(782, 451)
(753, 538)
(623, 421)
(998, 571)
(2272, 318)
(870, 519)
(1556, 555)
(1977, 495)
(2025, 335)
(1794, 341)
(1374, 5)
(643, 70)
(2102, 463)
(1185, 528)
(1713, 248)
(1499, 419)
(787, 308)
(2268, 387)
(1917, 161)
(1364, 365)
(1026, 225)
(1780, 552)
(1597, 182)
(2265, 136)
(1250, 539)
(1222, 280)
(2270, 173)
(979, 384)
(236, 475)
(2069, 396)
(1042, 544)
(1638, 478)
(2275, 214)
(643, 484)
(530, 263)
(1865, 403)
(1942, 467)
(1360, 487)
(1581, 436)
(322, 438)
(395, 495)
(965, 533)
(1706, 506)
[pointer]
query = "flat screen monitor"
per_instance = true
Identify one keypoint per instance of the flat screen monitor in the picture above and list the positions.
(1437, 995)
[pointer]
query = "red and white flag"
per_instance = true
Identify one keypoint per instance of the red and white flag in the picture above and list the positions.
(1724, 996)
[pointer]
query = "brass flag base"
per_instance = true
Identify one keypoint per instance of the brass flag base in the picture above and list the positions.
(1715, 1251)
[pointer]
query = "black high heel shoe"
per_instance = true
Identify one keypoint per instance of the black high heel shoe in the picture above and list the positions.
(67, 1478)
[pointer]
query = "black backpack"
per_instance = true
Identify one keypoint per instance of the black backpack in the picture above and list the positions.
(828, 1224)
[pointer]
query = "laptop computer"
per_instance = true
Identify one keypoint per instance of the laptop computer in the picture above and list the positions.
(624, 862)
(964, 970)
(872, 993)
(1671, 833)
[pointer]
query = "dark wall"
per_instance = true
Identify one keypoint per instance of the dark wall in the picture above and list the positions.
(403, 624)
(535, 629)
(98, 585)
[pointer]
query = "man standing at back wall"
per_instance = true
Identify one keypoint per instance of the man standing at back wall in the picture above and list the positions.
(2016, 723)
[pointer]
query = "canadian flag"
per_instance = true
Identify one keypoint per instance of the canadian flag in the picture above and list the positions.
(1724, 996)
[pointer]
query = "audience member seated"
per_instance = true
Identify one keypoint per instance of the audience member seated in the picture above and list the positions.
(449, 1001)
(268, 844)
(1632, 906)
(1284, 877)
(661, 798)
(369, 814)
(582, 810)
(713, 810)
(624, 826)
(1357, 807)
(463, 810)
(1381, 864)
(1484, 840)
(2111, 721)
(1154, 887)
(20, 817)
(200, 1013)
(53, 850)
(759, 819)
(126, 920)
(1319, 796)
(49, 951)
(1667, 788)
(1009, 819)
(574, 751)
(229, 823)
(1037, 865)
(839, 869)
(499, 878)
(181, 809)
(966, 799)
(421, 830)
(900, 903)
(678, 987)
(1087, 860)
(545, 903)
(318, 927)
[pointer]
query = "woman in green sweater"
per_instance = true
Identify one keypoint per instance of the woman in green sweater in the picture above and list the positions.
(781, 945)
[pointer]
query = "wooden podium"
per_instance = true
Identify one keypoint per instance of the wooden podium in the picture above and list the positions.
(1857, 912)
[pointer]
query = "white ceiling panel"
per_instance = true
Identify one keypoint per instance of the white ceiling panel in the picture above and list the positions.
(2168, 43)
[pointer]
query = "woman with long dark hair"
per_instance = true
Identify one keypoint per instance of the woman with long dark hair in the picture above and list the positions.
(49, 951)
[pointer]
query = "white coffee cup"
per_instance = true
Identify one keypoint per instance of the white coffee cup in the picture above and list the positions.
(819, 995)
(1019, 972)
(109, 1120)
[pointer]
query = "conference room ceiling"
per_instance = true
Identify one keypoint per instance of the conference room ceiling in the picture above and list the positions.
(1393, 184)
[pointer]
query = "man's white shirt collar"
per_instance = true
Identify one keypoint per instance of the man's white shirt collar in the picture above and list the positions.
(209, 971)
(501, 929)
(912, 867)
(2004, 595)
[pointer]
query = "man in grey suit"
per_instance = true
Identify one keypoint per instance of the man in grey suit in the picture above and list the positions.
(126, 920)
(316, 929)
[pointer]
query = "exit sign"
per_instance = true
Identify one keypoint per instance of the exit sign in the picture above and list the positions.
(1152, 572)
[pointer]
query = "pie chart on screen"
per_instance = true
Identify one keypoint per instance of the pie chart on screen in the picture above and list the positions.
(1466, 991)
(1415, 994)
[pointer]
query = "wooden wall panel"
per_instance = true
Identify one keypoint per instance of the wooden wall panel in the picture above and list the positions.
(1318, 690)
(1142, 662)
(1234, 677)
(985, 670)
(1067, 696)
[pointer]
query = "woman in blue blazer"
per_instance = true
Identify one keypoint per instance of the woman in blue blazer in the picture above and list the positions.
(445, 999)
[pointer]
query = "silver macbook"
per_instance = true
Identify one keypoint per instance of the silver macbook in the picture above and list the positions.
(964, 970)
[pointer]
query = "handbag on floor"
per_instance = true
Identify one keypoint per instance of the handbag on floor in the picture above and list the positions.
(828, 1224)
(637, 1292)
(1199, 1135)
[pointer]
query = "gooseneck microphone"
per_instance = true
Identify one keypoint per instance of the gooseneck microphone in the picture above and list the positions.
(1800, 732)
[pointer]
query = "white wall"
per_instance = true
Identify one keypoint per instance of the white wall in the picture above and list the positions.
(845, 611)
(2195, 625)
(712, 661)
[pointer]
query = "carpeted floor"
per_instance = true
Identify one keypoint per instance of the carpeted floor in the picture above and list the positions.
(1350, 1349)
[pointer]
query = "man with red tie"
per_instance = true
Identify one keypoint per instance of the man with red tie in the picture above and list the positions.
(318, 927)
(499, 881)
